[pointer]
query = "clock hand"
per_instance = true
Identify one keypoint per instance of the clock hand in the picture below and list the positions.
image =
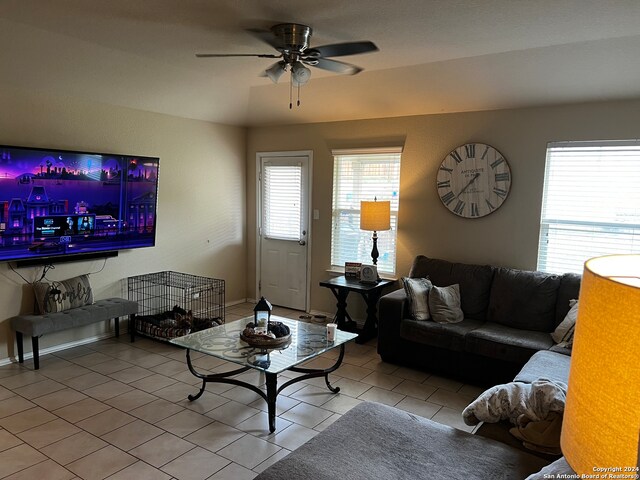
(475, 177)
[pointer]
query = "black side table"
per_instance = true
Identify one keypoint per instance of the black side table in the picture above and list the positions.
(371, 292)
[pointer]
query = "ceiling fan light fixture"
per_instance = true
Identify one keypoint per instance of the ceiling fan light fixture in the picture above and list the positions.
(300, 74)
(275, 71)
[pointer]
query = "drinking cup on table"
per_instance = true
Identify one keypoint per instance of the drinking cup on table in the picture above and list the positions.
(331, 332)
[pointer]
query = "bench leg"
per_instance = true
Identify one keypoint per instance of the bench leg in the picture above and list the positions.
(116, 324)
(36, 353)
(132, 327)
(20, 347)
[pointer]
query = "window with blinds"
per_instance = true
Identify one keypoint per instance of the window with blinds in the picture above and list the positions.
(363, 175)
(590, 204)
(282, 202)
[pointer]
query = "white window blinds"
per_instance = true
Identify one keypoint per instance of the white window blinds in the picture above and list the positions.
(590, 204)
(282, 202)
(363, 175)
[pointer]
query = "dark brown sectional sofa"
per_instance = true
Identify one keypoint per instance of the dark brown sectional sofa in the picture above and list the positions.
(509, 315)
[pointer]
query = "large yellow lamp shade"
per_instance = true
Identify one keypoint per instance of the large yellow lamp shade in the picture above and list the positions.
(375, 216)
(601, 426)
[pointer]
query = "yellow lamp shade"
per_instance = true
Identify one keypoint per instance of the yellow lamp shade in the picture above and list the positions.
(375, 216)
(601, 426)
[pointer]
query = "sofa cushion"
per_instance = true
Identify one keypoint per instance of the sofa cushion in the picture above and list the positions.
(523, 299)
(545, 364)
(474, 281)
(506, 343)
(443, 335)
(444, 304)
(563, 334)
(417, 290)
(568, 290)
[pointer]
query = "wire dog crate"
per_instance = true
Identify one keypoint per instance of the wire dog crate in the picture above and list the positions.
(172, 304)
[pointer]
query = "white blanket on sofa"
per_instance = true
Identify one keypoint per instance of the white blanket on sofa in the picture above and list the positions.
(519, 402)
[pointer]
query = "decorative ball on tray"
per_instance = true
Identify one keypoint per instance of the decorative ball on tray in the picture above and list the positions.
(277, 335)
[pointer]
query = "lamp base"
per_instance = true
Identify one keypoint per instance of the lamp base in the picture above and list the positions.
(374, 251)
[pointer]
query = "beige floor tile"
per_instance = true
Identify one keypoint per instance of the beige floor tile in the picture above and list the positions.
(92, 359)
(175, 393)
(411, 374)
(353, 372)
(13, 405)
(18, 458)
(162, 449)
(241, 395)
(258, 425)
(341, 404)
(66, 372)
(206, 362)
(129, 375)
(149, 360)
(418, 407)
(105, 422)
(196, 464)
(59, 399)
(215, 436)
(102, 463)
(313, 395)
(446, 383)
(39, 389)
(8, 440)
(283, 403)
(5, 393)
(232, 413)
(450, 399)
(155, 411)
(293, 436)
(75, 352)
(108, 390)
(88, 380)
(111, 366)
(130, 400)
(451, 417)
(350, 387)
(233, 471)
(81, 410)
(140, 471)
(49, 433)
(320, 363)
(471, 391)
(72, 448)
(12, 369)
(380, 395)
(26, 419)
(421, 391)
(25, 377)
(381, 380)
(249, 451)
(48, 470)
(153, 382)
(184, 423)
(171, 367)
(383, 367)
(329, 421)
(306, 415)
(132, 435)
(283, 452)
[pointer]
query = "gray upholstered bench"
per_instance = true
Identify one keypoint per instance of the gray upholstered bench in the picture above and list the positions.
(37, 325)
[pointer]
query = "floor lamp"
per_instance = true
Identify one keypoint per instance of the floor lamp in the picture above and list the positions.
(375, 217)
(601, 425)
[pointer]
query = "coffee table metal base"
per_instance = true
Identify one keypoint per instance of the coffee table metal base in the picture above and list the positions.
(272, 382)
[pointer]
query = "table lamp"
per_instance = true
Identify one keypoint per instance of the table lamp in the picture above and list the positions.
(601, 426)
(375, 216)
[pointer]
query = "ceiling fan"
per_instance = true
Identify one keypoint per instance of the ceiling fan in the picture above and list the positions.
(291, 40)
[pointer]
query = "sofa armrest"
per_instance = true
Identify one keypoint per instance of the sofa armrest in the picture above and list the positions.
(391, 311)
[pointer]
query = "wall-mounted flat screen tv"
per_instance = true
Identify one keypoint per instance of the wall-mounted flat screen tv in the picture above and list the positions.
(56, 204)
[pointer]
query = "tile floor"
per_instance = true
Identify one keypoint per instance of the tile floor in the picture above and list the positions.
(117, 410)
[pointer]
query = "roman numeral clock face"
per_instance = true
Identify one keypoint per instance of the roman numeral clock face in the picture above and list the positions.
(473, 180)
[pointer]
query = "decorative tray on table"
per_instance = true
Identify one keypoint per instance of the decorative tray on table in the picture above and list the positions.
(278, 336)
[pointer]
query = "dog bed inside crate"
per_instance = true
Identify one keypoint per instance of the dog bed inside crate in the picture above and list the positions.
(173, 323)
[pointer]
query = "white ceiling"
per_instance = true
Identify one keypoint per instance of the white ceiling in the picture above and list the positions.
(435, 55)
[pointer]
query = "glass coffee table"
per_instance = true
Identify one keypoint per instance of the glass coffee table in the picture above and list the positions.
(307, 341)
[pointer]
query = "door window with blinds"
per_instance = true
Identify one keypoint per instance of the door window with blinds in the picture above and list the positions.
(363, 175)
(590, 204)
(282, 201)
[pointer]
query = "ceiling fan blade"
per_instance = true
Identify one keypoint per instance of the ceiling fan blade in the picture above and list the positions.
(209, 55)
(335, 66)
(266, 36)
(342, 49)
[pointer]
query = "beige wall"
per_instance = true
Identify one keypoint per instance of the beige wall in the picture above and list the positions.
(201, 210)
(507, 237)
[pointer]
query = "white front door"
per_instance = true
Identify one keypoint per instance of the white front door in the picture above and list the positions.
(283, 228)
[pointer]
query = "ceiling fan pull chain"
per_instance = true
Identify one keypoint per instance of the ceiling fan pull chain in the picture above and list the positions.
(298, 95)
(291, 94)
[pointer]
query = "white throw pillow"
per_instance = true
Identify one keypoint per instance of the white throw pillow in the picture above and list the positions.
(563, 334)
(417, 290)
(444, 304)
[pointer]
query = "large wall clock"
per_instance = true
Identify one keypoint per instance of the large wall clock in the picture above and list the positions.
(473, 180)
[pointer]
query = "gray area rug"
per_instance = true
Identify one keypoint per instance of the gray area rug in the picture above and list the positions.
(376, 441)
